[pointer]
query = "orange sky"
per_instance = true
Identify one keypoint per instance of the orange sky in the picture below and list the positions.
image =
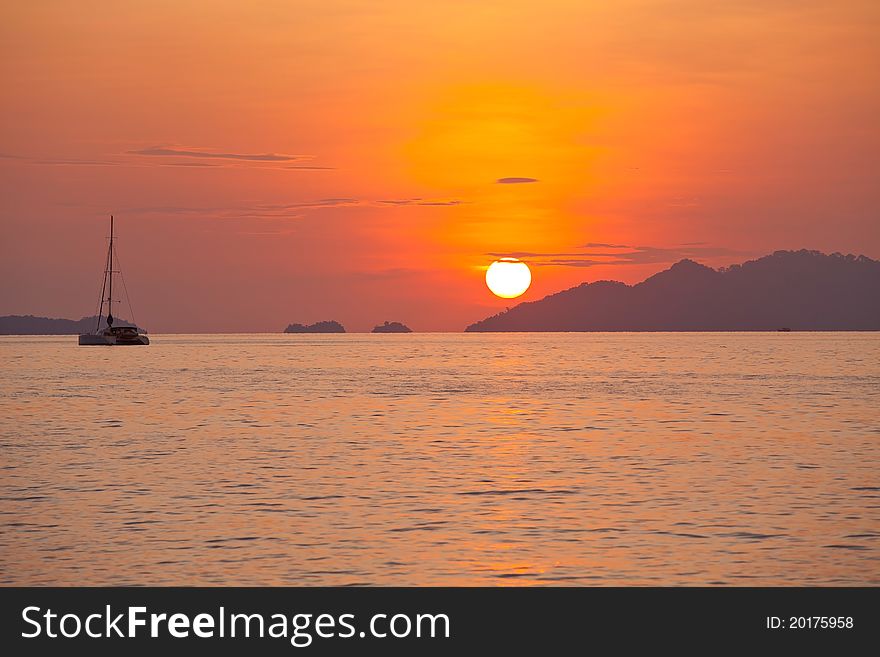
(276, 162)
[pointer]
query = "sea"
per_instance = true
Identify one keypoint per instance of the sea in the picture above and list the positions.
(442, 459)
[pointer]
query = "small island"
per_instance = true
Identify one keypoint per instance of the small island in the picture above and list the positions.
(392, 327)
(30, 325)
(318, 327)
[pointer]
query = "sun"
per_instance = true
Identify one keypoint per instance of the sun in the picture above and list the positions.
(508, 278)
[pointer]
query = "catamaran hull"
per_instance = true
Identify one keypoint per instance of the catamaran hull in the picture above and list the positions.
(90, 339)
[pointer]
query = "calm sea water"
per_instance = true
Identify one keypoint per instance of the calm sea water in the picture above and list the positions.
(446, 459)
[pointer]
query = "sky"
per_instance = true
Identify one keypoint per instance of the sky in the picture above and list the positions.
(274, 162)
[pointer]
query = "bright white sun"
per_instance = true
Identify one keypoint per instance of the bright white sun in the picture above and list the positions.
(508, 278)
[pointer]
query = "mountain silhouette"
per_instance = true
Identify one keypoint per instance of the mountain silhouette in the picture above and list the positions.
(318, 327)
(31, 325)
(800, 290)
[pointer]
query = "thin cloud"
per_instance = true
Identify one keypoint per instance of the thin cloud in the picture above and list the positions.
(221, 161)
(65, 162)
(515, 180)
(296, 210)
(600, 245)
(419, 201)
(249, 157)
(521, 255)
(324, 202)
(57, 160)
(572, 262)
(591, 255)
(197, 165)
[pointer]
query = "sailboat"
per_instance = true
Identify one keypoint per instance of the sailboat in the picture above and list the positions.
(112, 335)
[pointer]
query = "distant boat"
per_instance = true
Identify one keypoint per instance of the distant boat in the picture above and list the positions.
(112, 335)
(784, 329)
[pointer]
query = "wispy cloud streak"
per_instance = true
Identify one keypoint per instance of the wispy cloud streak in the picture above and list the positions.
(249, 157)
(294, 210)
(594, 254)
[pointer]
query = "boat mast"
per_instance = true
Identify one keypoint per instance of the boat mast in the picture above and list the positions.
(110, 273)
(107, 267)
